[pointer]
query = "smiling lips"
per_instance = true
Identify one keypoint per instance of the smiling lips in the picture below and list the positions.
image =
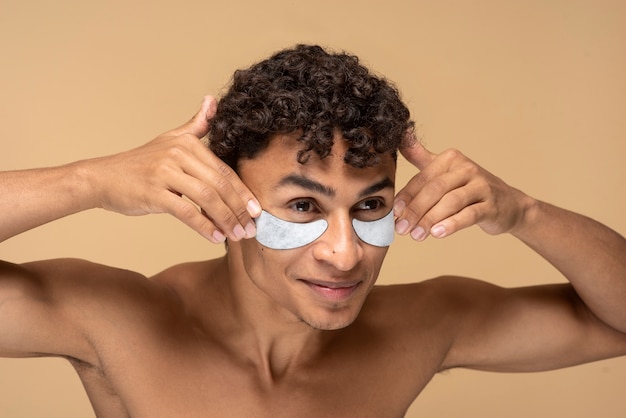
(335, 292)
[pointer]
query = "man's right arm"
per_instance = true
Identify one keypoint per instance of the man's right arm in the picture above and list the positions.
(174, 173)
(69, 307)
(34, 197)
(33, 321)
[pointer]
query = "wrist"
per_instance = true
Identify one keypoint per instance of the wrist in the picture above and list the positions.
(530, 213)
(83, 185)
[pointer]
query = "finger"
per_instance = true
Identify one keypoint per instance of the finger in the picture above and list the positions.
(470, 215)
(198, 125)
(420, 157)
(421, 196)
(444, 217)
(417, 154)
(438, 165)
(408, 193)
(217, 189)
(213, 170)
(189, 214)
(207, 197)
(212, 185)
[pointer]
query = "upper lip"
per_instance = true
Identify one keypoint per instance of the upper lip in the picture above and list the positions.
(332, 284)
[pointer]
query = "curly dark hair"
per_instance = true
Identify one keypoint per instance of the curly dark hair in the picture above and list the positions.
(309, 90)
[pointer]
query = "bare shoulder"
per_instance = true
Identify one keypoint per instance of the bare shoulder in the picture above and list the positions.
(70, 305)
(186, 279)
(437, 306)
(476, 324)
(85, 281)
(449, 294)
(417, 323)
(91, 293)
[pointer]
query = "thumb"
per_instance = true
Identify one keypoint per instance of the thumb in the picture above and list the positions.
(417, 154)
(199, 124)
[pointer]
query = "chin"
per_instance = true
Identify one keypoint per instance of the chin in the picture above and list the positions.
(330, 324)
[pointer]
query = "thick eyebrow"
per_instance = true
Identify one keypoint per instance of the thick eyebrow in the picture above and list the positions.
(383, 184)
(314, 186)
(308, 184)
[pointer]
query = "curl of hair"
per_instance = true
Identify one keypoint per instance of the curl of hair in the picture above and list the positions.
(313, 92)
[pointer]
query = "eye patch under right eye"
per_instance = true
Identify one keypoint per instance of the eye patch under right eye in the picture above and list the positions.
(279, 234)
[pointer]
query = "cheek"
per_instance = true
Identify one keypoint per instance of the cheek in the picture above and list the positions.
(264, 265)
(377, 256)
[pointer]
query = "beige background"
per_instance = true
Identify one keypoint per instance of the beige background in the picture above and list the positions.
(533, 90)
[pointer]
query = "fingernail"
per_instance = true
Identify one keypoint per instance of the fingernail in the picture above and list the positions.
(418, 234)
(239, 232)
(398, 207)
(250, 230)
(402, 227)
(253, 208)
(218, 237)
(438, 231)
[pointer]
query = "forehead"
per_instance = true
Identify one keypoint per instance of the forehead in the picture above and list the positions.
(279, 160)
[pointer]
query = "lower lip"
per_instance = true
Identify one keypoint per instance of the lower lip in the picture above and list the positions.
(336, 294)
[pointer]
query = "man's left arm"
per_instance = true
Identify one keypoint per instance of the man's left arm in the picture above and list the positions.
(450, 193)
(590, 255)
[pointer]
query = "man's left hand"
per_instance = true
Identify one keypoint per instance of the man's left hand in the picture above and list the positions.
(451, 193)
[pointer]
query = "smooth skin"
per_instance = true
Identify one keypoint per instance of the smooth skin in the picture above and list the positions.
(303, 332)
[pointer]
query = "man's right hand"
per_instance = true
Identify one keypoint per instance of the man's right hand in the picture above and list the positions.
(176, 173)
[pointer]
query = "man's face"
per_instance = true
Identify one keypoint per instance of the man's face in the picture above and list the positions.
(323, 283)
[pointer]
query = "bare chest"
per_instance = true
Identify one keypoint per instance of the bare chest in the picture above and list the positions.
(206, 381)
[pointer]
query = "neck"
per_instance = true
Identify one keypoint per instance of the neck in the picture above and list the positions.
(263, 331)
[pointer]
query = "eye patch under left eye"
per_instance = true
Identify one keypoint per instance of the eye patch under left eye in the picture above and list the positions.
(278, 234)
(379, 233)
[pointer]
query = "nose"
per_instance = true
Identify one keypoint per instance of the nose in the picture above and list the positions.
(339, 246)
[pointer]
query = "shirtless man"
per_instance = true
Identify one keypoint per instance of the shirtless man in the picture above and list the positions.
(299, 181)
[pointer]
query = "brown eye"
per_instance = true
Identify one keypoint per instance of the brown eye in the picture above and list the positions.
(369, 209)
(302, 206)
(369, 204)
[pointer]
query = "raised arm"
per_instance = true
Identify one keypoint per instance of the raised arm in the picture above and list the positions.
(590, 255)
(153, 178)
(533, 328)
(41, 303)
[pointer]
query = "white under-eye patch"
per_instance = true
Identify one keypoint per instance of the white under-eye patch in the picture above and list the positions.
(378, 233)
(279, 234)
